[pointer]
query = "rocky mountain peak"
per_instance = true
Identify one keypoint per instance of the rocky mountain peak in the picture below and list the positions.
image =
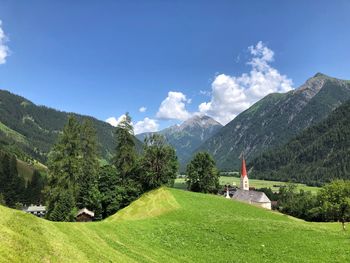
(201, 121)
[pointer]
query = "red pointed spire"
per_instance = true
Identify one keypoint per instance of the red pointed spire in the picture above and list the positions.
(243, 169)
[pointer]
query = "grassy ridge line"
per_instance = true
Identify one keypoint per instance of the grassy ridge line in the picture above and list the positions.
(176, 226)
(13, 134)
(151, 204)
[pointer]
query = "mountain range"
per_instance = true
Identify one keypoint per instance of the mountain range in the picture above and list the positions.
(268, 124)
(276, 119)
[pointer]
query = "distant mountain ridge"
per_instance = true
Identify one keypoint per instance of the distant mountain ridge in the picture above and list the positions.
(275, 119)
(317, 155)
(185, 138)
(26, 127)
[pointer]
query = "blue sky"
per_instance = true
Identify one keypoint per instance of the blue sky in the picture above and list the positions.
(103, 58)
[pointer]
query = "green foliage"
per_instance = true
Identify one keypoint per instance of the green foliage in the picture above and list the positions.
(12, 186)
(2, 199)
(125, 152)
(298, 204)
(73, 170)
(34, 189)
(202, 175)
(159, 163)
(108, 184)
(89, 195)
(334, 201)
(318, 155)
(62, 206)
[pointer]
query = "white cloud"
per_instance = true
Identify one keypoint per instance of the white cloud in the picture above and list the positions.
(114, 122)
(4, 50)
(231, 95)
(174, 107)
(147, 125)
(142, 109)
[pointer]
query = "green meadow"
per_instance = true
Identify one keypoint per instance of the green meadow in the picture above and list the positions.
(171, 225)
(180, 183)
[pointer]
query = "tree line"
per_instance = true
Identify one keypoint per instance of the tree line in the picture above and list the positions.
(76, 180)
(14, 191)
(330, 204)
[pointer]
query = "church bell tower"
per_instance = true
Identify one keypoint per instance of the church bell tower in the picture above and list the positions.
(244, 176)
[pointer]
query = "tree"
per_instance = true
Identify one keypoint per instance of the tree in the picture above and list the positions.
(202, 175)
(109, 181)
(159, 163)
(63, 207)
(11, 185)
(335, 201)
(125, 152)
(34, 188)
(89, 195)
(64, 170)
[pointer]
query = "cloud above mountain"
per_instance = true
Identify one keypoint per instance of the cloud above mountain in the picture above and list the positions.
(231, 95)
(173, 107)
(146, 125)
(4, 50)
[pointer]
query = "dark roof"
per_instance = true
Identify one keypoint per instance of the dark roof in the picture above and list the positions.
(251, 196)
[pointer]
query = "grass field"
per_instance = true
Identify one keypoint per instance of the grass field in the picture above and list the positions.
(274, 185)
(170, 225)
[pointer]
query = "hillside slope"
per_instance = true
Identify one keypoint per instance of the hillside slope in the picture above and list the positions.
(319, 154)
(26, 127)
(188, 136)
(275, 119)
(169, 225)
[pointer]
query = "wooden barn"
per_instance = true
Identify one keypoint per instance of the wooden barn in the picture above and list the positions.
(84, 215)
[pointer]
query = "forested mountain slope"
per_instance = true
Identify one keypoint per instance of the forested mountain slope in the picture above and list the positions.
(275, 119)
(26, 127)
(319, 154)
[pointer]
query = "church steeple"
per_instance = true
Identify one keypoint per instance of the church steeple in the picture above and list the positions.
(244, 176)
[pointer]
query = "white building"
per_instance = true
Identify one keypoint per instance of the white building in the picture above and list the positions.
(249, 196)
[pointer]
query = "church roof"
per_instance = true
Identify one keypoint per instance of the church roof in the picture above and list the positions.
(251, 196)
(244, 169)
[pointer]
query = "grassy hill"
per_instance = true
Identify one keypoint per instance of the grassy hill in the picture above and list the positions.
(169, 225)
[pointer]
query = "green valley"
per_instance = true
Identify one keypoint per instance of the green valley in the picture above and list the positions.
(174, 226)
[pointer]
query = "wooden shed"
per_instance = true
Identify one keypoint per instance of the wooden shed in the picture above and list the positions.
(85, 215)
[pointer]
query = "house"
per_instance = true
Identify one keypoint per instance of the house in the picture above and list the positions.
(245, 194)
(37, 210)
(85, 215)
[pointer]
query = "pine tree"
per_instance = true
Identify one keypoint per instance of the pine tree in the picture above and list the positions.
(64, 171)
(125, 156)
(89, 195)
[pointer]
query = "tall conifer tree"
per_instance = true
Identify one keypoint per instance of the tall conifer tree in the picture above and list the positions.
(125, 156)
(64, 170)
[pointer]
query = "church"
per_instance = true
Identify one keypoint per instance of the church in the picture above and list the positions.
(249, 196)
